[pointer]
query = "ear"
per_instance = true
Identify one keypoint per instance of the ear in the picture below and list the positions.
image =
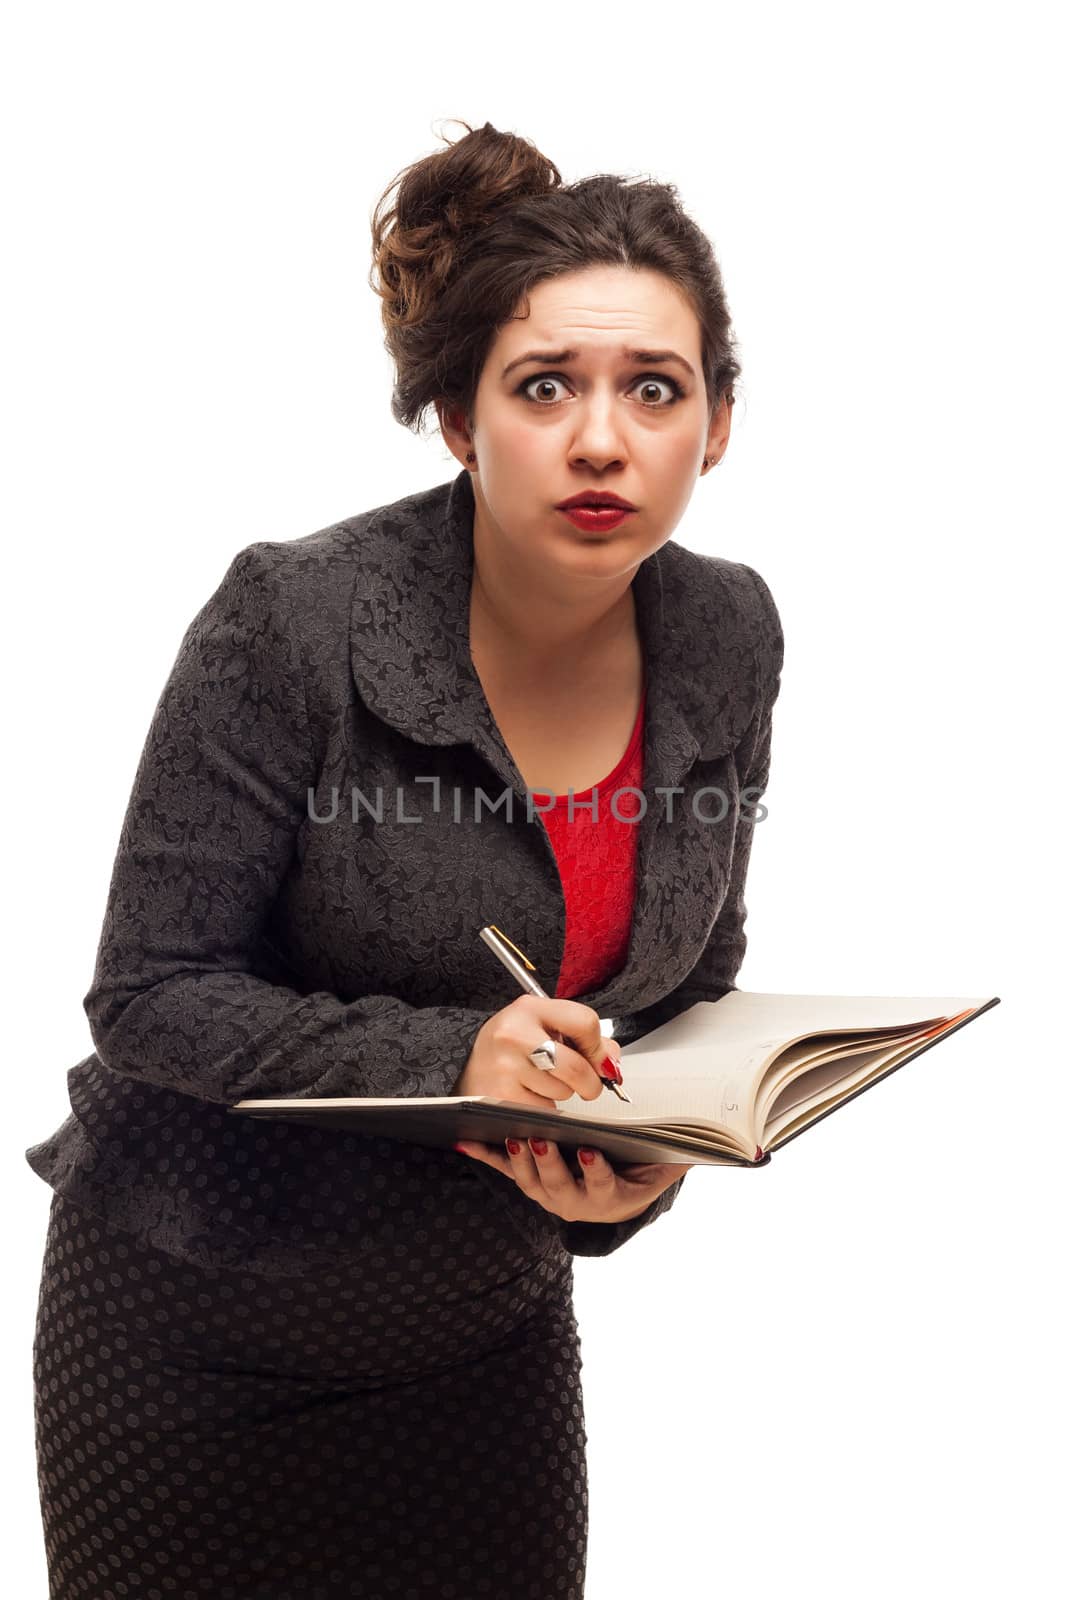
(719, 430)
(455, 432)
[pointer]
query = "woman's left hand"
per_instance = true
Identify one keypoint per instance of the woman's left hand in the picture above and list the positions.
(603, 1193)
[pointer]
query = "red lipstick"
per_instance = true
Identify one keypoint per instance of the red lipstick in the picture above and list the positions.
(596, 510)
(596, 519)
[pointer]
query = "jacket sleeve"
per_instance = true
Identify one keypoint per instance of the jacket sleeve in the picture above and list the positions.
(720, 961)
(218, 798)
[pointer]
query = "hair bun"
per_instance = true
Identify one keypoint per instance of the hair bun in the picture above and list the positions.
(440, 201)
(462, 186)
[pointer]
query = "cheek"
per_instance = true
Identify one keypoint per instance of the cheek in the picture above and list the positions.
(515, 463)
(533, 452)
(514, 455)
(675, 475)
(683, 454)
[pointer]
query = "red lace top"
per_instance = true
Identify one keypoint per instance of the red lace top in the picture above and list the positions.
(598, 865)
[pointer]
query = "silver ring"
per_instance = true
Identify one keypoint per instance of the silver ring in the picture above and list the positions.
(546, 1049)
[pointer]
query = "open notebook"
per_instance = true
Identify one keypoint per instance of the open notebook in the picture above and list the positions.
(723, 1084)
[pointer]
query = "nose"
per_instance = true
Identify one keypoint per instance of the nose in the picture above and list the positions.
(598, 428)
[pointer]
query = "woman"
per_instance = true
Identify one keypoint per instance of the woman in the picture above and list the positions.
(272, 1360)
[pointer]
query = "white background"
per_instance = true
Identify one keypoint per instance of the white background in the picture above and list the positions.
(840, 1372)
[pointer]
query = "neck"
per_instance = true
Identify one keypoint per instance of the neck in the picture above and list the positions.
(542, 622)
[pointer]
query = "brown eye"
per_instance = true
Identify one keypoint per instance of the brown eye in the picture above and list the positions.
(542, 383)
(654, 383)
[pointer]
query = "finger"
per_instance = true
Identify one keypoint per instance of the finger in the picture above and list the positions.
(572, 1074)
(484, 1153)
(598, 1172)
(586, 1034)
(556, 1177)
(650, 1179)
(665, 1172)
(579, 1029)
(523, 1167)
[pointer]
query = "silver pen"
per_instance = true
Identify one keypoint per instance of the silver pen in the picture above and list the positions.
(521, 969)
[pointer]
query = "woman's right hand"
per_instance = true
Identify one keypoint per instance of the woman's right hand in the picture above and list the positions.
(499, 1065)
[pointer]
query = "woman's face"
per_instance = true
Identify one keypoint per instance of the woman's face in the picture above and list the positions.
(549, 427)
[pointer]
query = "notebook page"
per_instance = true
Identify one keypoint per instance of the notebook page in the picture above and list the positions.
(744, 1018)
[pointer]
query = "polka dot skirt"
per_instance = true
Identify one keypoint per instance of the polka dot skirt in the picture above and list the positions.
(206, 1431)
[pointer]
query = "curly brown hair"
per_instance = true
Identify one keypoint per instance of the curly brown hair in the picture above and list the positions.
(472, 228)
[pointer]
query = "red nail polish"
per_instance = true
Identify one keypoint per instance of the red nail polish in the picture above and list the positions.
(587, 1157)
(513, 1147)
(610, 1069)
(539, 1147)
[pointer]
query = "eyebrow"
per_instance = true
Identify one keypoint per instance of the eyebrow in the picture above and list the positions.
(561, 356)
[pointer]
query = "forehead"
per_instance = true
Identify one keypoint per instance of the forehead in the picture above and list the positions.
(603, 309)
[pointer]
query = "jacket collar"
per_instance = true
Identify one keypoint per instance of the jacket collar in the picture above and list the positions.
(410, 640)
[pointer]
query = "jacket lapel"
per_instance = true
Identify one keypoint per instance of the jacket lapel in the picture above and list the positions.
(411, 661)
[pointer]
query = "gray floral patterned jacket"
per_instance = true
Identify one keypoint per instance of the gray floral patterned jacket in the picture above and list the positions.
(258, 941)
